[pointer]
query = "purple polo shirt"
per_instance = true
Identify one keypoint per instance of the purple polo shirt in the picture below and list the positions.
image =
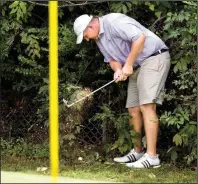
(118, 31)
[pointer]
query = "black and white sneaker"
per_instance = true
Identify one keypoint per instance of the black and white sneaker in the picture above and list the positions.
(132, 156)
(145, 162)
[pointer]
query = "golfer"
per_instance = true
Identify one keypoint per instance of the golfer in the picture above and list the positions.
(133, 52)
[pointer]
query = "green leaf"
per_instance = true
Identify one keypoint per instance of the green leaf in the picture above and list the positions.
(37, 53)
(166, 4)
(183, 64)
(183, 42)
(193, 122)
(23, 7)
(129, 5)
(173, 155)
(31, 51)
(186, 117)
(174, 62)
(171, 121)
(32, 30)
(177, 139)
(119, 10)
(69, 137)
(174, 34)
(169, 14)
(70, 8)
(19, 14)
(158, 14)
(190, 3)
(175, 69)
(115, 146)
(14, 4)
(121, 140)
(46, 80)
(78, 129)
(3, 12)
(181, 120)
(179, 65)
(181, 17)
(13, 11)
(24, 38)
(124, 9)
(124, 148)
(151, 7)
(167, 26)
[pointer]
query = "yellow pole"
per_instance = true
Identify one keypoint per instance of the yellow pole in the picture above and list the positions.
(53, 90)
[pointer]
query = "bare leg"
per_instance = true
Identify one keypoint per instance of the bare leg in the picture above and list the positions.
(137, 122)
(151, 125)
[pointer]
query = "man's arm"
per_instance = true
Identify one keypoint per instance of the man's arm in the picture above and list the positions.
(115, 65)
(117, 68)
(136, 48)
(129, 32)
(127, 70)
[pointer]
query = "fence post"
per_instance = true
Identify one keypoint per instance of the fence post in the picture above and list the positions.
(53, 90)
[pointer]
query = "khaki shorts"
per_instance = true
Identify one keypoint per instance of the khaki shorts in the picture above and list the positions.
(146, 84)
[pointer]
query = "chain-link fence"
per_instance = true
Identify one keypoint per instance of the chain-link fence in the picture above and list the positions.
(19, 119)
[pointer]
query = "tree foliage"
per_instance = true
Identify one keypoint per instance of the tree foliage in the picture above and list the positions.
(24, 65)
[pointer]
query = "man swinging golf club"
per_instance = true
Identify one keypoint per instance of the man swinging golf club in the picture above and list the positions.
(129, 48)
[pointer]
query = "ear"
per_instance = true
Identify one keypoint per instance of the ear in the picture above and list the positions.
(90, 26)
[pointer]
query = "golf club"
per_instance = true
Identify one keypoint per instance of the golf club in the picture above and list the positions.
(69, 105)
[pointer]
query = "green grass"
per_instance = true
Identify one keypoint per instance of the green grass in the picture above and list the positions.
(105, 172)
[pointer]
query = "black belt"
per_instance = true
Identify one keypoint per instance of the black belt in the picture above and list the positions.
(155, 54)
(136, 67)
(159, 52)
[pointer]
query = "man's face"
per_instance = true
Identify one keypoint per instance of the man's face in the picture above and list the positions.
(91, 32)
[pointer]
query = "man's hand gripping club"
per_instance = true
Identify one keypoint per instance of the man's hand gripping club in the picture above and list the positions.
(121, 76)
(127, 69)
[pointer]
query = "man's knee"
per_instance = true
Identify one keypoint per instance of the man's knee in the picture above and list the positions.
(134, 111)
(148, 107)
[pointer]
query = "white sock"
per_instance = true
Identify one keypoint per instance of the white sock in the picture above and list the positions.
(153, 157)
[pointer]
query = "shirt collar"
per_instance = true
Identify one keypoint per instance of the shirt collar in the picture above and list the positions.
(101, 26)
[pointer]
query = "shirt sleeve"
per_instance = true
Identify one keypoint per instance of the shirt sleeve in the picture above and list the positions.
(126, 31)
(107, 57)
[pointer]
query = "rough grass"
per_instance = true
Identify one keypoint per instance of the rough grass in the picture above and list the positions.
(103, 171)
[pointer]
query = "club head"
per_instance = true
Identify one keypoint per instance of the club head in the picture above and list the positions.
(65, 102)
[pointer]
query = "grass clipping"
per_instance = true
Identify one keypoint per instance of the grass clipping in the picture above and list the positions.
(79, 94)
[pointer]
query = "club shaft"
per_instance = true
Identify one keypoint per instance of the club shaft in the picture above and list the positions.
(91, 93)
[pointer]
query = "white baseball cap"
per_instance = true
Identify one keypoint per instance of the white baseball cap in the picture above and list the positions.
(80, 25)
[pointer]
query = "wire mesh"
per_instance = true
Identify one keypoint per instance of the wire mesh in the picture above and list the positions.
(20, 119)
